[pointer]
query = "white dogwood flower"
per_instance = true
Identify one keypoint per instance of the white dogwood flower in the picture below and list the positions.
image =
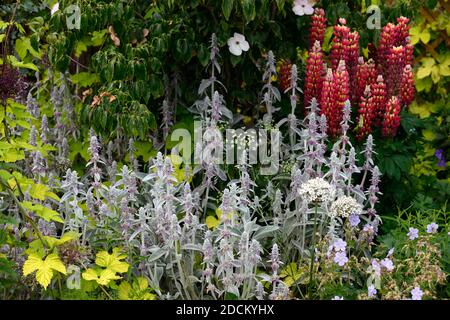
(302, 7)
(55, 8)
(237, 44)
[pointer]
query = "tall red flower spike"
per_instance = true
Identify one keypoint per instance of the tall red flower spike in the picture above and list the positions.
(367, 113)
(340, 93)
(396, 63)
(391, 119)
(407, 88)
(314, 74)
(284, 75)
(327, 98)
(340, 43)
(318, 27)
(366, 74)
(378, 90)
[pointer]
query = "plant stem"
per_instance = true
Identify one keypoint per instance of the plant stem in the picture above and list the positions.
(313, 251)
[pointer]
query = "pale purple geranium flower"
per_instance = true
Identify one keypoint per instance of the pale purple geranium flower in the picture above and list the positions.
(416, 293)
(413, 233)
(371, 291)
(340, 258)
(302, 7)
(432, 227)
(354, 220)
(339, 245)
(376, 267)
(388, 264)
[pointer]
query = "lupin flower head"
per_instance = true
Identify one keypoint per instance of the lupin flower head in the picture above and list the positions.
(407, 87)
(314, 74)
(316, 190)
(284, 75)
(318, 27)
(391, 120)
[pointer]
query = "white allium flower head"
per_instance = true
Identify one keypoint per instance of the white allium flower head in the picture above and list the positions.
(316, 190)
(55, 8)
(237, 44)
(302, 7)
(344, 206)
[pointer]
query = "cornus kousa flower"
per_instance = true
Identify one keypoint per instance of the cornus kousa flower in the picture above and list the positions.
(413, 233)
(432, 227)
(345, 206)
(416, 293)
(237, 44)
(316, 190)
(303, 7)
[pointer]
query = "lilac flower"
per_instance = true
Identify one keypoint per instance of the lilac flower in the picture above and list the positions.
(354, 220)
(416, 293)
(413, 233)
(340, 258)
(371, 291)
(432, 227)
(340, 245)
(376, 267)
(440, 155)
(388, 264)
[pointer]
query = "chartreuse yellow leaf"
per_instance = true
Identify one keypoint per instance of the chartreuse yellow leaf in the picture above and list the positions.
(420, 109)
(101, 276)
(44, 268)
(428, 135)
(45, 213)
(137, 291)
(112, 261)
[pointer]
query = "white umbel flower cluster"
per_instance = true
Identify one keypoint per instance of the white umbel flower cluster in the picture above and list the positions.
(316, 190)
(345, 206)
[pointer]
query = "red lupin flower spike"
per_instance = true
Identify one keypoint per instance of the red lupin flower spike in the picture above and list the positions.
(341, 90)
(407, 88)
(284, 75)
(318, 27)
(391, 119)
(327, 98)
(367, 113)
(378, 90)
(366, 74)
(314, 74)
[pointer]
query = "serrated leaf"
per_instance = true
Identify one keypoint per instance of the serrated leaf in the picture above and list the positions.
(44, 268)
(102, 277)
(112, 261)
